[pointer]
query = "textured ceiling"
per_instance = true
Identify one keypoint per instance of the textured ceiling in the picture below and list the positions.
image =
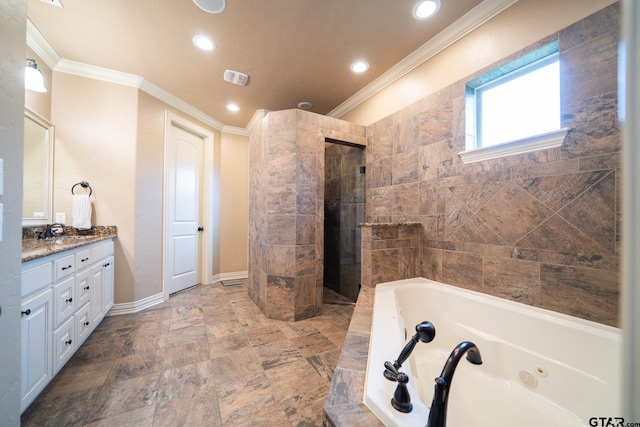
(293, 50)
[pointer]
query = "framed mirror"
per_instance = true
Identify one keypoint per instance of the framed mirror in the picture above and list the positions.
(37, 199)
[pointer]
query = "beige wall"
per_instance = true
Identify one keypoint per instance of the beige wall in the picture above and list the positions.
(149, 194)
(520, 25)
(113, 137)
(234, 196)
(96, 126)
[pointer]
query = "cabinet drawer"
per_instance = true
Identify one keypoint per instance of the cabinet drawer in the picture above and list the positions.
(64, 266)
(102, 250)
(83, 259)
(64, 304)
(36, 277)
(64, 344)
(83, 324)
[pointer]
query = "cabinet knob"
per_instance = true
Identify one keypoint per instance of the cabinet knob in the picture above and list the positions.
(67, 267)
(107, 264)
(86, 323)
(69, 300)
(26, 312)
(68, 342)
(86, 288)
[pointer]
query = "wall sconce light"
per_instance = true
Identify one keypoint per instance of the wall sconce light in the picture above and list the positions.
(33, 77)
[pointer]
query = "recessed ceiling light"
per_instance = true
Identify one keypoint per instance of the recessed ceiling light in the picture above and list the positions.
(204, 42)
(233, 107)
(359, 67)
(304, 105)
(425, 8)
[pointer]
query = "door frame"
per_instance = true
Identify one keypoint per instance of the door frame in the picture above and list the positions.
(206, 211)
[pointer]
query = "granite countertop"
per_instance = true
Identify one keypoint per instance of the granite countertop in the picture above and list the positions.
(34, 248)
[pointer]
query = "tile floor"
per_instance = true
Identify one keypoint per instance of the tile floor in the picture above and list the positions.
(206, 357)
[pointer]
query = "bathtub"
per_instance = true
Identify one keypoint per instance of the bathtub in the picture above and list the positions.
(540, 368)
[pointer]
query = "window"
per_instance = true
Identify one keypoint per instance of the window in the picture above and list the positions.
(515, 108)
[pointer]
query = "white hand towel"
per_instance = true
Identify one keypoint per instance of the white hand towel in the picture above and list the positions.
(81, 211)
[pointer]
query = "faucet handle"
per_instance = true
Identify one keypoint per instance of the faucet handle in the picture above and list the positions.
(401, 400)
(390, 371)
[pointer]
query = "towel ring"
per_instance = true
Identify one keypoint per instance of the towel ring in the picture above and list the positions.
(83, 184)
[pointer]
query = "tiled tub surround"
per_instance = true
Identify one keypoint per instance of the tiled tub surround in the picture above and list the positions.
(34, 248)
(344, 403)
(540, 228)
(286, 210)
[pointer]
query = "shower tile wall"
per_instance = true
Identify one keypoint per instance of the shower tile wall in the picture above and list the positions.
(286, 210)
(540, 228)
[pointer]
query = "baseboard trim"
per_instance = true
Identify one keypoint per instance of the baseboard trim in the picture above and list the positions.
(136, 306)
(229, 279)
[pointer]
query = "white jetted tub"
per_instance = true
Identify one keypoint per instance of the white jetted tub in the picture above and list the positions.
(540, 368)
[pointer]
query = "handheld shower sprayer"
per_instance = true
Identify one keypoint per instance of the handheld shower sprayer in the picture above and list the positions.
(425, 332)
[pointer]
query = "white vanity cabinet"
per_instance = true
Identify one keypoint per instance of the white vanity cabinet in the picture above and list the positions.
(64, 298)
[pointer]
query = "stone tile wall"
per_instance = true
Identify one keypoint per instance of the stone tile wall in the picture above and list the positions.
(389, 252)
(541, 228)
(286, 210)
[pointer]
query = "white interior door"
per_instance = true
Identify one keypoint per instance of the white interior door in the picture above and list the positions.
(183, 191)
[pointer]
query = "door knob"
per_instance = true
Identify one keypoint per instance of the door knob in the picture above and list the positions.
(200, 228)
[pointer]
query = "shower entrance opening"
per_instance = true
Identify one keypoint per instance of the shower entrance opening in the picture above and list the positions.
(344, 202)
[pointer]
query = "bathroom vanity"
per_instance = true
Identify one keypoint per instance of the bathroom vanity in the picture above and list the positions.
(67, 288)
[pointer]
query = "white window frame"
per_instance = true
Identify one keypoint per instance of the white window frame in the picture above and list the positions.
(512, 70)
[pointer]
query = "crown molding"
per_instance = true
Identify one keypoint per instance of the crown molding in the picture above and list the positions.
(98, 73)
(463, 26)
(132, 80)
(257, 117)
(234, 130)
(181, 105)
(40, 45)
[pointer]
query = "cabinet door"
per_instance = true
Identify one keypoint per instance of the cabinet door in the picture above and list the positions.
(64, 344)
(64, 300)
(36, 330)
(83, 287)
(108, 279)
(97, 294)
(83, 324)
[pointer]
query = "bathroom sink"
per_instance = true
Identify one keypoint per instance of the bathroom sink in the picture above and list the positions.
(71, 240)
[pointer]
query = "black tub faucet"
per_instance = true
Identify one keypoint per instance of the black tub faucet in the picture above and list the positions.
(438, 412)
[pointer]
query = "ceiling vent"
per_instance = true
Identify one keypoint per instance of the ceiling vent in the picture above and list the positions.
(236, 77)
